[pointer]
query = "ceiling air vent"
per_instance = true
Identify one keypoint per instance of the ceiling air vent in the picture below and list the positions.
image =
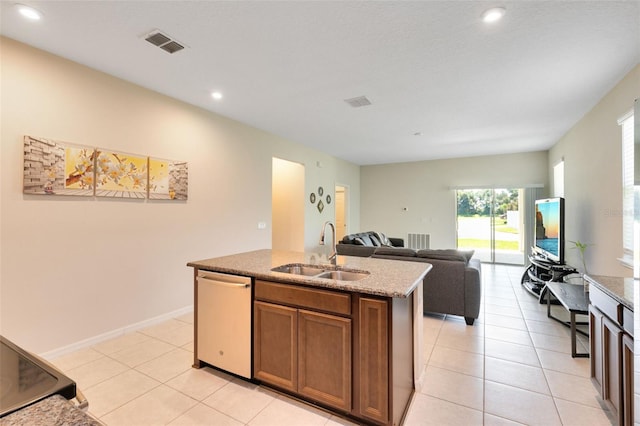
(172, 47)
(360, 101)
(164, 42)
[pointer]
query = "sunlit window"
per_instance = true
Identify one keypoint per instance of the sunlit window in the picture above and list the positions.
(626, 123)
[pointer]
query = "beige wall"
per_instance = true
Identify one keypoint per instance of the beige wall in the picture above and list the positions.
(73, 269)
(592, 154)
(425, 189)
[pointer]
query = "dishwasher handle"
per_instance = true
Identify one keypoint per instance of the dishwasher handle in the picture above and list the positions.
(225, 280)
(223, 283)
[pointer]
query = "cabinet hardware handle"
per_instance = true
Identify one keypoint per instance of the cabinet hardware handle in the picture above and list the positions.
(223, 283)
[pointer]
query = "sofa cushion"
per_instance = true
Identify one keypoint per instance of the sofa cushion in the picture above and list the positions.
(446, 254)
(354, 250)
(395, 251)
(396, 242)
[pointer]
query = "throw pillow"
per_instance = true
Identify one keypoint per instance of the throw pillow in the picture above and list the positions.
(468, 254)
(348, 239)
(366, 239)
(384, 241)
(359, 241)
(374, 239)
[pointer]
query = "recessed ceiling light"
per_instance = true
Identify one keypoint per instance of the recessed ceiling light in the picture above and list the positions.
(216, 95)
(494, 14)
(29, 12)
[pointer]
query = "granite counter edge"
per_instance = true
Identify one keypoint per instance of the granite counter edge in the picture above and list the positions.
(314, 282)
(613, 294)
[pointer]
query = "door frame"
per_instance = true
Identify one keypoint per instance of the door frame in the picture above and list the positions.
(346, 210)
(492, 222)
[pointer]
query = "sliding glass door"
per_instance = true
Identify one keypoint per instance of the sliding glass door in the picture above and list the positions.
(490, 221)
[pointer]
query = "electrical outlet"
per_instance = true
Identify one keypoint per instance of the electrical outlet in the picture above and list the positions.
(262, 225)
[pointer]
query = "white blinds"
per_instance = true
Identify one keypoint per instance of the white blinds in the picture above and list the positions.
(626, 122)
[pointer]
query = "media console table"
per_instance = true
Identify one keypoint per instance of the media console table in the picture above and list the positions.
(539, 272)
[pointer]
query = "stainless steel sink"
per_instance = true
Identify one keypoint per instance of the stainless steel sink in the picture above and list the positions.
(298, 269)
(316, 271)
(343, 275)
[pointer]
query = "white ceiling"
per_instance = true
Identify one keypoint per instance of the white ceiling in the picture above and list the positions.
(430, 66)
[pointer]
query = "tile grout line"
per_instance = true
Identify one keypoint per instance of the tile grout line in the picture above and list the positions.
(164, 383)
(134, 368)
(484, 356)
(546, 380)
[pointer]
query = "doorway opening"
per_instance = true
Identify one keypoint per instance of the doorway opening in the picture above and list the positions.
(491, 222)
(342, 211)
(287, 205)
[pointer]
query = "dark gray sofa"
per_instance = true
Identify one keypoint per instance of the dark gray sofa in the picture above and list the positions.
(363, 244)
(453, 285)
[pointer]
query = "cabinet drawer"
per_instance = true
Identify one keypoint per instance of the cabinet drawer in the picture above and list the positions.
(606, 304)
(322, 300)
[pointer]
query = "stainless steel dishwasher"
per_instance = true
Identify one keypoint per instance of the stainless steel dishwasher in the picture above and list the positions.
(224, 322)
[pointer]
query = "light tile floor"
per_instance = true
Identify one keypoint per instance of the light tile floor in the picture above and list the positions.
(512, 367)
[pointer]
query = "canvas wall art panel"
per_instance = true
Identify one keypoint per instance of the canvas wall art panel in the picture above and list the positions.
(58, 168)
(168, 180)
(121, 175)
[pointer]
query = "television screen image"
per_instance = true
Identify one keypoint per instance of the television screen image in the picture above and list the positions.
(549, 228)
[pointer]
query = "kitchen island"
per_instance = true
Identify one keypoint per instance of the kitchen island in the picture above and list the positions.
(611, 342)
(352, 345)
(54, 410)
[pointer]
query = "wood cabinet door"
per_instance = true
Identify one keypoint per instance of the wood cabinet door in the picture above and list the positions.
(595, 343)
(373, 360)
(627, 380)
(275, 350)
(612, 366)
(324, 358)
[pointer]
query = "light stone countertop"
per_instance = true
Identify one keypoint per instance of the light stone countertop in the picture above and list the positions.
(55, 410)
(621, 289)
(389, 278)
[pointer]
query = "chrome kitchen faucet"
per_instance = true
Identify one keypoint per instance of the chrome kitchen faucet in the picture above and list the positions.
(333, 256)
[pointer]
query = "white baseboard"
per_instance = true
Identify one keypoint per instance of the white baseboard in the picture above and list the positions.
(56, 353)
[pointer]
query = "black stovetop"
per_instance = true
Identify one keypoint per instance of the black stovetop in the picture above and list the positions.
(26, 379)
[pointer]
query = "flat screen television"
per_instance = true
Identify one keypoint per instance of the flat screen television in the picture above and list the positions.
(549, 230)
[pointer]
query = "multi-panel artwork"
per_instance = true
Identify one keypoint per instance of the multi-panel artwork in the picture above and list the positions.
(59, 168)
(167, 179)
(52, 167)
(121, 175)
